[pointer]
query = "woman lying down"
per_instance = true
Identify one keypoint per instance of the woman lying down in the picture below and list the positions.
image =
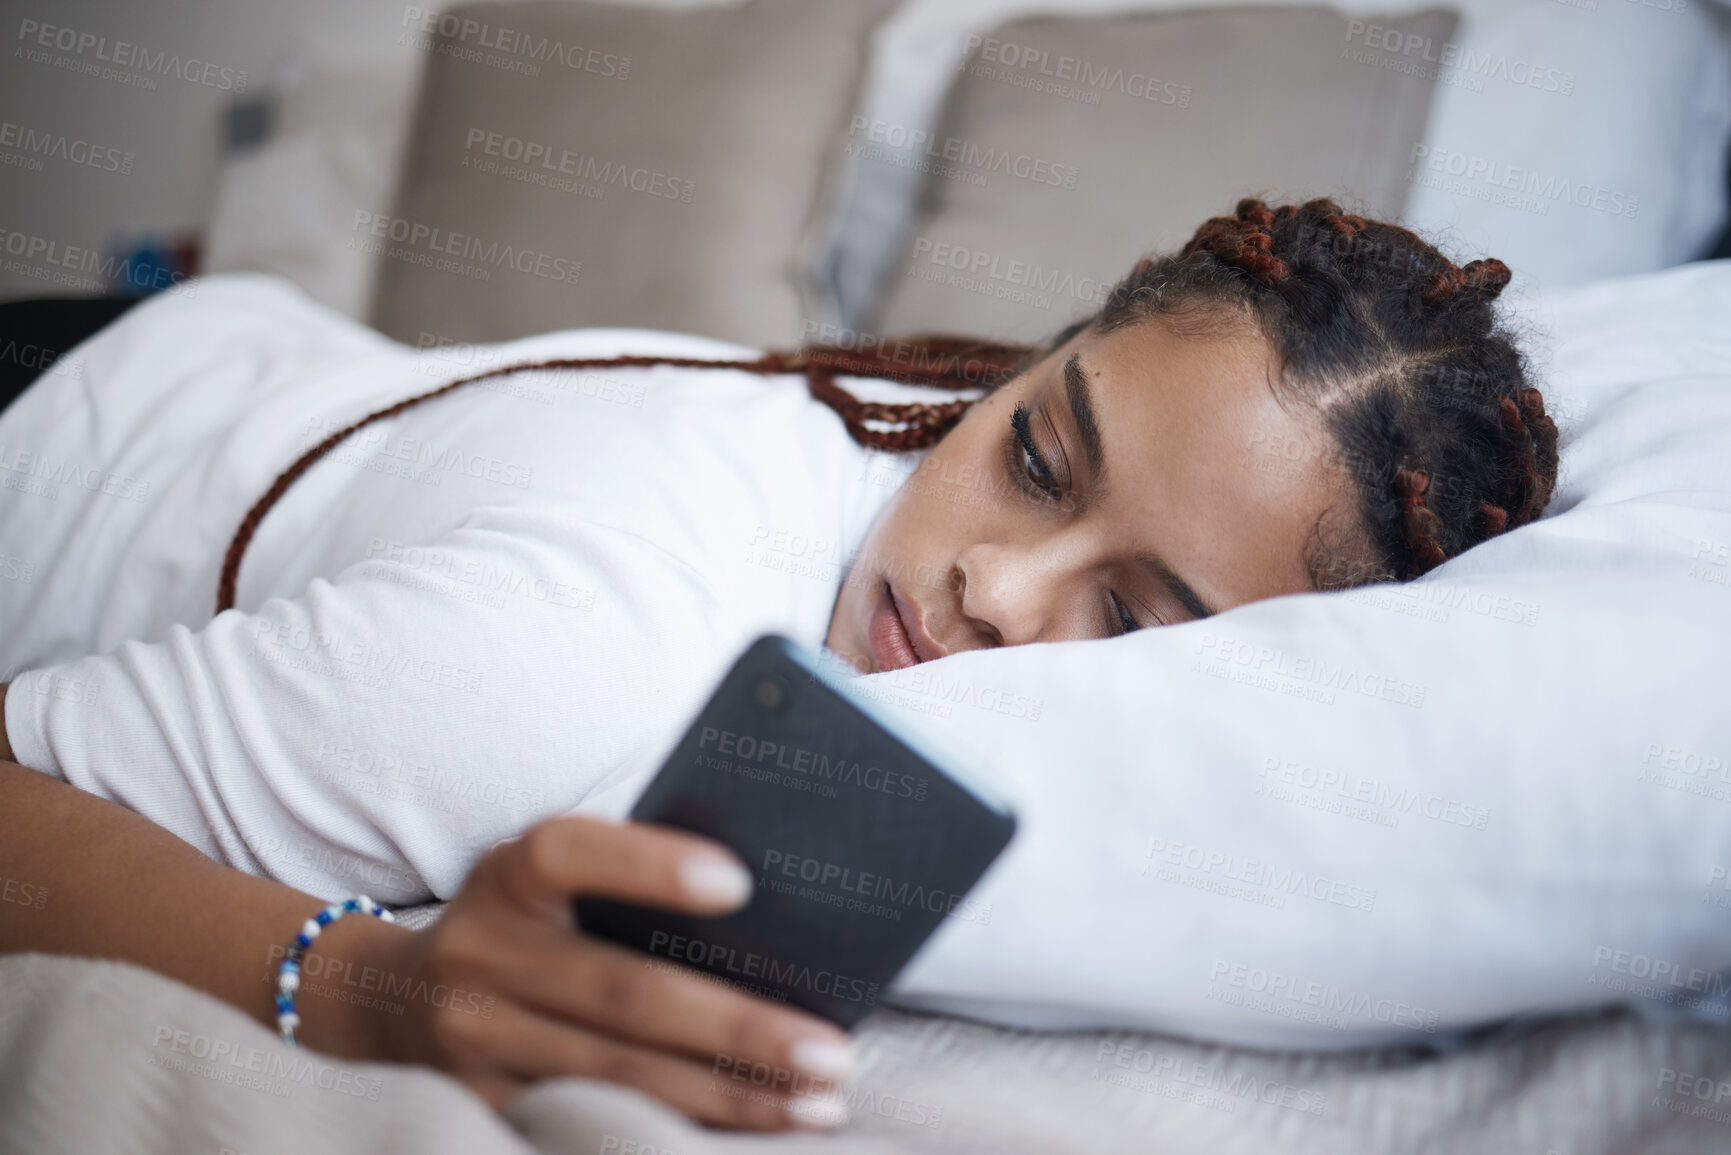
(439, 632)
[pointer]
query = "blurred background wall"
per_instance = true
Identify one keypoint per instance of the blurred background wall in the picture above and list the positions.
(149, 101)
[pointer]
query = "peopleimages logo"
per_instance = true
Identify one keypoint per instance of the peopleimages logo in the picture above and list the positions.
(1666, 980)
(438, 459)
(428, 245)
(542, 162)
(326, 862)
(414, 774)
(1071, 76)
(226, 1061)
(1452, 58)
(983, 271)
(475, 40)
(780, 756)
(1541, 187)
(53, 472)
(842, 886)
(1276, 667)
(970, 154)
(1279, 993)
(16, 569)
(49, 259)
(38, 36)
(36, 145)
(1232, 1085)
(762, 968)
(1386, 797)
(23, 893)
(1213, 870)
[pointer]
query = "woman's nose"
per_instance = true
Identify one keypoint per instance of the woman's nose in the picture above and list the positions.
(1011, 592)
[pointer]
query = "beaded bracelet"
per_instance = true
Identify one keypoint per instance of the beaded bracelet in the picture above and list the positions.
(288, 979)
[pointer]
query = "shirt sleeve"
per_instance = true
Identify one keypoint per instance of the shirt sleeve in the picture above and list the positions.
(383, 730)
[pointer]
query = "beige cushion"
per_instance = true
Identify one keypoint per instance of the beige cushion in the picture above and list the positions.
(592, 164)
(1069, 147)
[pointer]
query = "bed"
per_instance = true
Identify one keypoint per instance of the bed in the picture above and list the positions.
(102, 1056)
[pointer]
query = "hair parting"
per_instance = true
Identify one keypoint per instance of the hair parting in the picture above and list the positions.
(1402, 351)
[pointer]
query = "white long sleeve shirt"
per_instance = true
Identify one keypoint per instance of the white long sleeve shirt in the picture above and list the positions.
(466, 618)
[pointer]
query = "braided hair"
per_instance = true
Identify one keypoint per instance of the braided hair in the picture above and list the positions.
(1423, 390)
(1425, 394)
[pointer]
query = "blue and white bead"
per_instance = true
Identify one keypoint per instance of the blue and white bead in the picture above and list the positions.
(288, 979)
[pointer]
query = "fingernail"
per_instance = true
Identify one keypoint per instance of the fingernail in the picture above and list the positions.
(823, 1059)
(817, 1112)
(715, 879)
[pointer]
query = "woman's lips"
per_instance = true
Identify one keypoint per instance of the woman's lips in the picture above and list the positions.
(887, 637)
(895, 634)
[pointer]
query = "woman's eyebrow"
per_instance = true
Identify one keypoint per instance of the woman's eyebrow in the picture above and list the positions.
(1082, 412)
(1180, 589)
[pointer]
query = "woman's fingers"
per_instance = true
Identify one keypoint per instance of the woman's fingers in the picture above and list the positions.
(574, 1005)
(722, 1093)
(649, 865)
(662, 1004)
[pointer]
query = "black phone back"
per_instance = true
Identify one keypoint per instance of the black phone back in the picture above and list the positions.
(860, 844)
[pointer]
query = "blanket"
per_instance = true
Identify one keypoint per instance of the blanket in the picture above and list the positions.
(105, 1056)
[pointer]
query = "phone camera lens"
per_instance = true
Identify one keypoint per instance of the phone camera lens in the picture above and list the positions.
(770, 693)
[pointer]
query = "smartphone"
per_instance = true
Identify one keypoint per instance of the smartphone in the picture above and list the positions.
(860, 842)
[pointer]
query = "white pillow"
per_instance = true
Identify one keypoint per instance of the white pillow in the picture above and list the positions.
(1638, 139)
(287, 206)
(1338, 819)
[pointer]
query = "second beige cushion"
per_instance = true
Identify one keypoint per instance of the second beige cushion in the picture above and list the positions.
(1069, 147)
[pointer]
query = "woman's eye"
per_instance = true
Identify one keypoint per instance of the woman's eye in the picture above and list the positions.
(1028, 459)
(1126, 621)
(1037, 471)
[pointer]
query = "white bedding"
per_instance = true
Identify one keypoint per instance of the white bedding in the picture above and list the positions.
(97, 1056)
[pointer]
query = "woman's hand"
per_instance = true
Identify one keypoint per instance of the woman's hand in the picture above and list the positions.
(536, 998)
(541, 1001)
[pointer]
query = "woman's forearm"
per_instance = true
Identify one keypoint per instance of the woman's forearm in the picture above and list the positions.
(80, 875)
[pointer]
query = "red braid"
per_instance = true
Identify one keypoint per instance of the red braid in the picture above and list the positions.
(1246, 241)
(1421, 524)
(1479, 278)
(1495, 518)
(938, 362)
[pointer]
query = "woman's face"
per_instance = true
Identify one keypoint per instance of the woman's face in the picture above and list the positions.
(1129, 479)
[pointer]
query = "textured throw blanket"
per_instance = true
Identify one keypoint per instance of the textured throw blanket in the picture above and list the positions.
(102, 1056)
